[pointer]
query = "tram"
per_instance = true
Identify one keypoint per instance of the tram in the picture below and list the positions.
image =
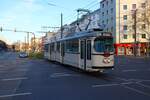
(89, 50)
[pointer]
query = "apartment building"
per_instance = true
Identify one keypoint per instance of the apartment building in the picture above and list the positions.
(83, 23)
(118, 17)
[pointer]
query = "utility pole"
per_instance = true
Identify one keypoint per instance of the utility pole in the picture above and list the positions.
(61, 25)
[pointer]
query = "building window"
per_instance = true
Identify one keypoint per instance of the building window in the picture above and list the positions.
(125, 17)
(107, 21)
(107, 12)
(133, 6)
(107, 3)
(111, 1)
(103, 5)
(112, 29)
(125, 7)
(111, 19)
(125, 36)
(143, 5)
(125, 27)
(143, 26)
(143, 15)
(103, 22)
(107, 29)
(111, 10)
(103, 13)
(143, 36)
(133, 36)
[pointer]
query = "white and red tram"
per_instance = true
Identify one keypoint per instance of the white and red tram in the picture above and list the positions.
(89, 50)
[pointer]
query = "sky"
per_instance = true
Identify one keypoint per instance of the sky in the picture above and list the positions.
(31, 15)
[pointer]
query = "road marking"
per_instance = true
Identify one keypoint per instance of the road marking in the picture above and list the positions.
(59, 73)
(13, 95)
(143, 80)
(129, 70)
(127, 83)
(14, 79)
(56, 75)
(135, 90)
(147, 86)
(123, 79)
(105, 85)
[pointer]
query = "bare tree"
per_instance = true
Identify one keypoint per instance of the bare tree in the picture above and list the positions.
(140, 24)
(145, 21)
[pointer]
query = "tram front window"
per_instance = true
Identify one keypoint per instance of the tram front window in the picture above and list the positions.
(103, 45)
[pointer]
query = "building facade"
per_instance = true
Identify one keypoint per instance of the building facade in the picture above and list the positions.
(118, 17)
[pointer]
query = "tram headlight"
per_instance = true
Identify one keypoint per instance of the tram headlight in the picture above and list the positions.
(106, 60)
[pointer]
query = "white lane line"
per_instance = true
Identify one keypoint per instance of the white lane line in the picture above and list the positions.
(129, 70)
(14, 79)
(143, 80)
(105, 85)
(127, 83)
(63, 74)
(141, 84)
(135, 90)
(123, 79)
(12, 95)
(60, 75)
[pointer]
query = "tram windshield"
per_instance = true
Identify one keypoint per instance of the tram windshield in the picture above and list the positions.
(103, 44)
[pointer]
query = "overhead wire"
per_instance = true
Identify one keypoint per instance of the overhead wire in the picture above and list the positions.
(89, 5)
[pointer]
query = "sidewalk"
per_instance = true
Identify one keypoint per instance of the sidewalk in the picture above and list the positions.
(132, 56)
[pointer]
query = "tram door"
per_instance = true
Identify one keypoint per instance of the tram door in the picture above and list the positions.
(85, 54)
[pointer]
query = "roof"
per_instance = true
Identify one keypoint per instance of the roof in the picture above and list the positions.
(86, 34)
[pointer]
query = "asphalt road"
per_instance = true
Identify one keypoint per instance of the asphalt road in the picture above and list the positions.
(26, 79)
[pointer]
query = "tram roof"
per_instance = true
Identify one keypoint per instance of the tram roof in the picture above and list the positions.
(85, 34)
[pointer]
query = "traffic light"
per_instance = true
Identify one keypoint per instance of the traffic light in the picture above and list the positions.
(1, 29)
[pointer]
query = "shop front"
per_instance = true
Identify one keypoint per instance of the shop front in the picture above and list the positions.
(128, 48)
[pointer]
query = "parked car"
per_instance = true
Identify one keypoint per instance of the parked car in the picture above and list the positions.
(23, 55)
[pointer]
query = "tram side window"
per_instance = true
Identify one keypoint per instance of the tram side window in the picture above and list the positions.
(68, 47)
(89, 49)
(75, 46)
(52, 47)
(58, 46)
(72, 46)
(82, 49)
(46, 47)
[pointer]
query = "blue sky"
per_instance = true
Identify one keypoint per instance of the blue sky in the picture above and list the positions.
(30, 15)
